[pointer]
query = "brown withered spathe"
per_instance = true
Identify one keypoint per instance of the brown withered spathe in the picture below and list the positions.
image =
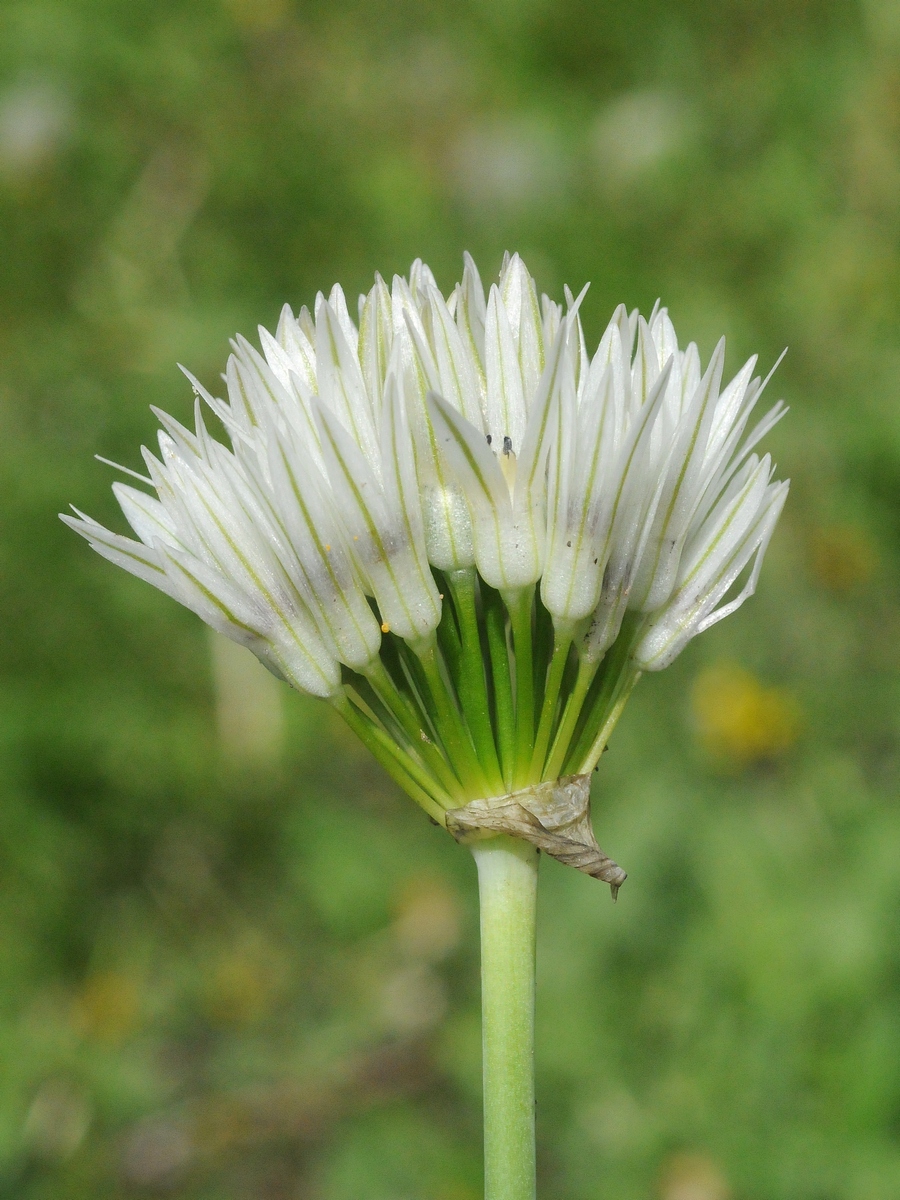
(555, 817)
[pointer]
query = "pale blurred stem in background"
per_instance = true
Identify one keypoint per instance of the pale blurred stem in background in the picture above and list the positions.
(507, 883)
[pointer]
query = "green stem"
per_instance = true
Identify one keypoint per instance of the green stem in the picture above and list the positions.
(401, 768)
(606, 714)
(507, 885)
(400, 706)
(561, 644)
(473, 695)
(544, 641)
(448, 637)
(519, 605)
(605, 704)
(504, 711)
(414, 678)
(451, 727)
(571, 713)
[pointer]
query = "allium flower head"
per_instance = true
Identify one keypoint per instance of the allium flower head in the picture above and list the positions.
(457, 525)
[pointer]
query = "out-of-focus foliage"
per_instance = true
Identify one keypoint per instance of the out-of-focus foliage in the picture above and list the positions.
(235, 964)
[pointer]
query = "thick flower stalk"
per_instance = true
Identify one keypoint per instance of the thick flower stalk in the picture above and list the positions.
(471, 537)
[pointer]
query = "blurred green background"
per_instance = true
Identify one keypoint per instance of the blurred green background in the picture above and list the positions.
(235, 963)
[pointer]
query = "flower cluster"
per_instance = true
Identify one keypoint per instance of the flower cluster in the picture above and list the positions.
(455, 524)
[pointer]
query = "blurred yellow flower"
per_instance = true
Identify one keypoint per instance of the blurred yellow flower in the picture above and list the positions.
(106, 1008)
(842, 557)
(243, 986)
(258, 16)
(692, 1177)
(738, 719)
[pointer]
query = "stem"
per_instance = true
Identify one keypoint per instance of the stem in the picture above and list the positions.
(519, 606)
(472, 688)
(448, 638)
(401, 768)
(507, 884)
(400, 706)
(495, 624)
(561, 644)
(610, 714)
(545, 632)
(451, 726)
(571, 713)
(605, 704)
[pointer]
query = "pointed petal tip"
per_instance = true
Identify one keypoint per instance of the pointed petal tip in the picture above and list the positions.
(576, 303)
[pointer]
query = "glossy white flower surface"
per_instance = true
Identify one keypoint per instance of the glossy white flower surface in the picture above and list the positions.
(455, 523)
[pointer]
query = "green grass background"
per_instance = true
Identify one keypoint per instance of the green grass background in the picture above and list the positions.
(235, 963)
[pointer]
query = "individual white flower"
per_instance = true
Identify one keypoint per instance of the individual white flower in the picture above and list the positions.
(602, 478)
(718, 550)
(501, 460)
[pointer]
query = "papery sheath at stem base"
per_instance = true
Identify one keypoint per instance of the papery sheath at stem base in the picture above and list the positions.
(555, 817)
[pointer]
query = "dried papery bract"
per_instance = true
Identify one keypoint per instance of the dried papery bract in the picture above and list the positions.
(471, 537)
